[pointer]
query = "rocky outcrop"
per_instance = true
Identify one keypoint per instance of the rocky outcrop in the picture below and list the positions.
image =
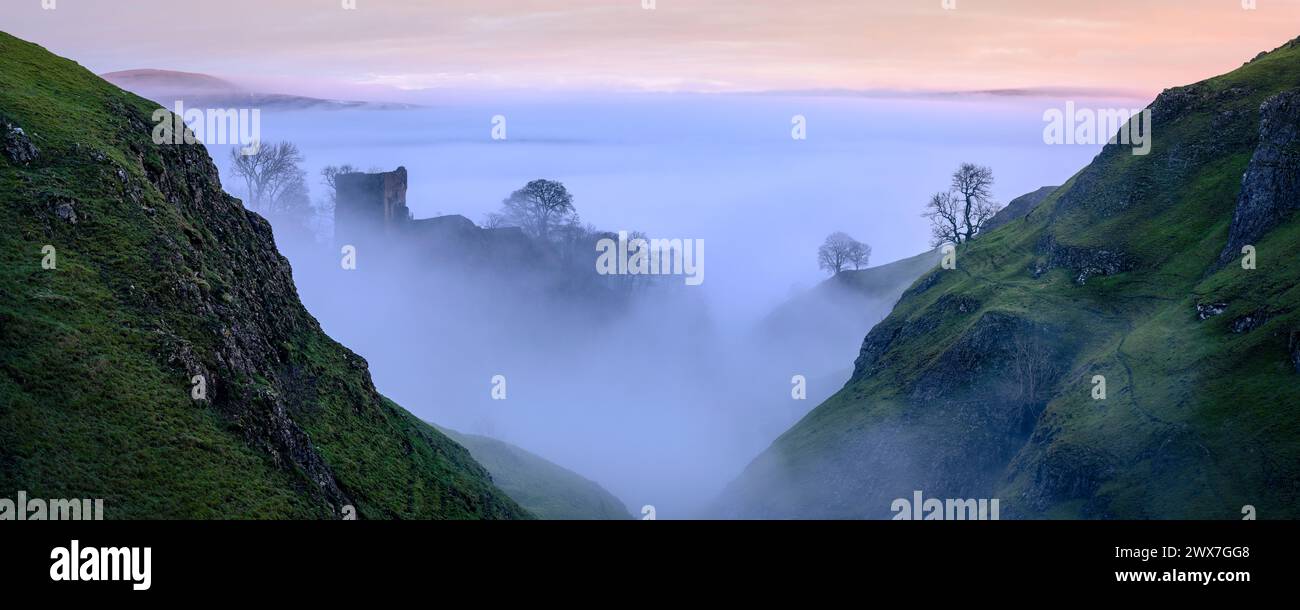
(200, 385)
(1109, 402)
(1205, 311)
(1083, 262)
(1270, 189)
(1249, 322)
(1003, 360)
(1066, 472)
(16, 145)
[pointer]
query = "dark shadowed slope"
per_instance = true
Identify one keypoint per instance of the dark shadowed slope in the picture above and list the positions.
(159, 278)
(981, 382)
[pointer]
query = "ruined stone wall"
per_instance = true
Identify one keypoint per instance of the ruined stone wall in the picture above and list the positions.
(370, 207)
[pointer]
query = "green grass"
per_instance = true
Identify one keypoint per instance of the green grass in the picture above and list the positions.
(1198, 422)
(162, 276)
(544, 488)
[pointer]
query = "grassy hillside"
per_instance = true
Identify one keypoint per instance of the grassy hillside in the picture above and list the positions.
(545, 489)
(1018, 208)
(979, 383)
(159, 277)
(816, 332)
(850, 290)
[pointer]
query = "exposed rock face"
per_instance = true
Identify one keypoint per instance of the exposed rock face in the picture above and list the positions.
(1270, 190)
(250, 319)
(1249, 322)
(16, 144)
(1066, 471)
(1098, 402)
(1205, 311)
(170, 278)
(1082, 261)
(990, 384)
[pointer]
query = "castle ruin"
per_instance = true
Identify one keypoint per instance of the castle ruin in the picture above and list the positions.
(370, 213)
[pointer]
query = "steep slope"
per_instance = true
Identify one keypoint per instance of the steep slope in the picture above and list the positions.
(125, 275)
(980, 383)
(545, 489)
(1018, 208)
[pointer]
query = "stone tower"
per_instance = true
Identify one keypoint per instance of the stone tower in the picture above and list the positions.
(370, 208)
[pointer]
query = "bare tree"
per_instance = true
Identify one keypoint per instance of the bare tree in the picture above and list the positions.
(841, 250)
(957, 215)
(268, 172)
(859, 255)
(329, 179)
(538, 208)
(945, 219)
(973, 184)
(293, 199)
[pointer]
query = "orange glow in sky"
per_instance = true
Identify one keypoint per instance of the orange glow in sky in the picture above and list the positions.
(678, 45)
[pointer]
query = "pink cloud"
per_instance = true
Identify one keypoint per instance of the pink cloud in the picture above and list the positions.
(715, 45)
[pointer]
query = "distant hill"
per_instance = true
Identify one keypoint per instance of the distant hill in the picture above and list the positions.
(153, 348)
(843, 306)
(1108, 356)
(545, 489)
(827, 320)
(202, 90)
(168, 80)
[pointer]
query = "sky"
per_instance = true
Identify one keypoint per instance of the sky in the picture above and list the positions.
(693, 406)
(678, 45)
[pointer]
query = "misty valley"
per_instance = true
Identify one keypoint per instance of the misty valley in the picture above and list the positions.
(329, 297)
(409, 311)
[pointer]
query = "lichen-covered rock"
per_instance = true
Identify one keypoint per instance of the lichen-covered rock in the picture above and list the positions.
(66, 211)
(1205, 311)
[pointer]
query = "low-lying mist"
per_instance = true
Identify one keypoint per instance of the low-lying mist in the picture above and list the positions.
(664, 396)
